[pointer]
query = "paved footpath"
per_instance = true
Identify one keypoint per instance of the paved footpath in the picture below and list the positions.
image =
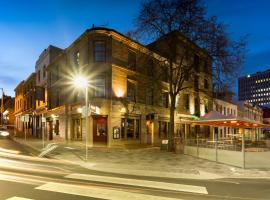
(144, 162)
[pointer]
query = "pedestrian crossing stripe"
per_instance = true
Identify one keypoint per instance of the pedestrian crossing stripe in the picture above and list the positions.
(141, 183)
(97, 192)
(18, 198)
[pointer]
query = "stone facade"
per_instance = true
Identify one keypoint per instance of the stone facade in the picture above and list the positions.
(128, 105)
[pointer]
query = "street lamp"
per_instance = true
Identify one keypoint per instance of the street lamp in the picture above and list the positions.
(82, 83)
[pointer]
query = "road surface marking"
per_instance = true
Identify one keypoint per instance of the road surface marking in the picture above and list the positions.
(141, 183)
(24, 180)
(96, 192)
(18, 198)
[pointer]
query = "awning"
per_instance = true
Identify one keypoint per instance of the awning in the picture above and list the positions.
(214, 118)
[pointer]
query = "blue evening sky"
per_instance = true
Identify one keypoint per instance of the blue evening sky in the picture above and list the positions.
(29, 26)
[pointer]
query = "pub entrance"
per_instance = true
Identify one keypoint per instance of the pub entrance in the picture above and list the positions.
(100, 129)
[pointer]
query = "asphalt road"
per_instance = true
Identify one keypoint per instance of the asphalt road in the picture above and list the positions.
(25, 176)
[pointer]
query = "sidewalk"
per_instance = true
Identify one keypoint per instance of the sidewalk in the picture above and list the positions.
(145, 162)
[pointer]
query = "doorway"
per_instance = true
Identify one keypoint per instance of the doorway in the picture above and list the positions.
(149, 132)
(99, 129)
(77, 129)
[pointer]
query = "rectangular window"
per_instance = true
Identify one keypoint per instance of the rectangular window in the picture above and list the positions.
(99, 51)
(150, 96)
(186, 101)
(165, 99)
(197, 106)
(224, 111)
(100, 87)
(44, 71)
(205, 66)
(77, 58)
(132, 60)
(205, 84)
(196, 63)
(150, 68)
(38, 75)
(131, 91)
(130, 128)
(57, 98)
(196, 82)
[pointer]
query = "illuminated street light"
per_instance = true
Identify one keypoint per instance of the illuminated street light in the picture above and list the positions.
(82, 82)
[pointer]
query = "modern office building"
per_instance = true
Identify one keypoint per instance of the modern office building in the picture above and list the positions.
(255, 88)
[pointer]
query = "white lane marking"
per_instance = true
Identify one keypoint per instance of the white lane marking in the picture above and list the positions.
(96, 192)
(142, 183)
(18, 198)
(23, 180)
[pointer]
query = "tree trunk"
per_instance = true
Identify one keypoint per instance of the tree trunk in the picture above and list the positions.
(171, 126)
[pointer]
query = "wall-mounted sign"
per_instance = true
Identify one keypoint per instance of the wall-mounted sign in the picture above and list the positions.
(116, 132)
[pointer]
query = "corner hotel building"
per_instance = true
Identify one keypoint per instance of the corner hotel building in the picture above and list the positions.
(127, 106)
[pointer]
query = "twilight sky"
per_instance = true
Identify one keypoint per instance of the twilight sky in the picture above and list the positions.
(27, 27)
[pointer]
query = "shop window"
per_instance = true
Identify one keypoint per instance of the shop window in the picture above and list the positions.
(99, 51)
(130, 128)
(100, 87)
(163, 129)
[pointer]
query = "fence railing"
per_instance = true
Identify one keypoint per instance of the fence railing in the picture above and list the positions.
(238, 152)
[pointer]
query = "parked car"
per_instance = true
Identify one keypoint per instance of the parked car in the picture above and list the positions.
(3, 133)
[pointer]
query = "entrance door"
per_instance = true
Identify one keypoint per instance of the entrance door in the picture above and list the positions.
(100, 129)
(77, 129)
(50, 129)
(149, 132)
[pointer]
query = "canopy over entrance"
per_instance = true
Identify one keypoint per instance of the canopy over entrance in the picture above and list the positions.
(214, 118)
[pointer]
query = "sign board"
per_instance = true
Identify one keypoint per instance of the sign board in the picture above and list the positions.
(94, 109)
(116, 132)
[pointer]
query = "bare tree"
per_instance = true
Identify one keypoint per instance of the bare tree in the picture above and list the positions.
(158, 18)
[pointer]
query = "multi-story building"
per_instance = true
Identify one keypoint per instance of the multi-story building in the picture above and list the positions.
(253, 113)
(255, 88)
(128, 105)
(228, 110)
(45, 58)
(29, 104)
(8, 111)
(19, 106)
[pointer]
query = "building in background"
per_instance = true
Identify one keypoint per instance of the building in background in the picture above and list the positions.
(228, 110)
(8, 114)
(255, 88)
(19, 107)
(45, 58)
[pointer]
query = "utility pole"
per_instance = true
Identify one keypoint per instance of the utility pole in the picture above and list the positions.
(2, 107)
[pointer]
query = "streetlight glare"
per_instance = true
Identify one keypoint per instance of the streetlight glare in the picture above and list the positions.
(80, 82)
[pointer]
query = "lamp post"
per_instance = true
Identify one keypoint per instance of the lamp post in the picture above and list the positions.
(82, 82)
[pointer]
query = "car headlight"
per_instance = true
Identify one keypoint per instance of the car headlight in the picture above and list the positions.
(4, 133)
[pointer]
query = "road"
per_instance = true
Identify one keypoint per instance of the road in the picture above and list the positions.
(23, 176)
